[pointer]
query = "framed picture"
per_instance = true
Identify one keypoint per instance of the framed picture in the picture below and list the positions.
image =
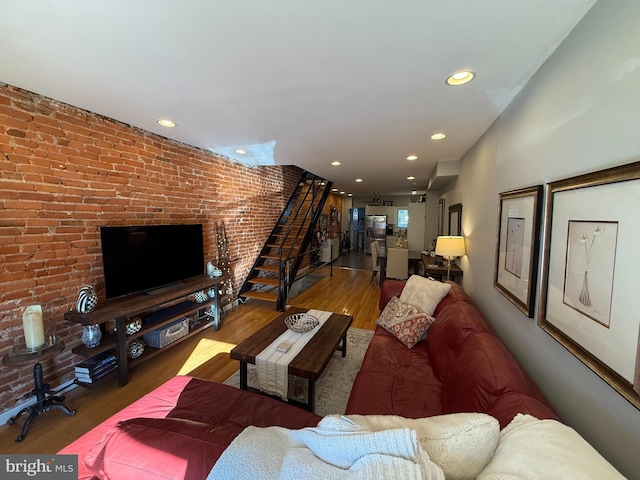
(455, 219)
(441, 216)
(517, 246)
(589, 299)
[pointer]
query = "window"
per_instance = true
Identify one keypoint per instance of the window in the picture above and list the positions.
(403, 218)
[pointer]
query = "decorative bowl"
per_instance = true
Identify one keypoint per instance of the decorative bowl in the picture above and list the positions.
(301, 322)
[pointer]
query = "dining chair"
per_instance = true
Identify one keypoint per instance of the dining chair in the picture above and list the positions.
(375, 261)
(397, 263)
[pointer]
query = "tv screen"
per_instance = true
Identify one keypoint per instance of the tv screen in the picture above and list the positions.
(145, 257)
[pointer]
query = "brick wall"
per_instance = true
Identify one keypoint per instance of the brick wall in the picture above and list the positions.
(65, 171)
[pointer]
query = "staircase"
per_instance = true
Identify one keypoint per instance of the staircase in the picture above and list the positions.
(282, 255)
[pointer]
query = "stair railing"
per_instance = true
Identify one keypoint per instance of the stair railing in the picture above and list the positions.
(285, 270)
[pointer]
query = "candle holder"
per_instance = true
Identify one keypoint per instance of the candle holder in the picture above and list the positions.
(36, 342)
(38, 330)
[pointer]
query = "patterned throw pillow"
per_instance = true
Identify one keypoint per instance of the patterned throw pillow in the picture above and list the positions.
(407, 323)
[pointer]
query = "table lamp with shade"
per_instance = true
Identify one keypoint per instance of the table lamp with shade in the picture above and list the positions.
(450, 247)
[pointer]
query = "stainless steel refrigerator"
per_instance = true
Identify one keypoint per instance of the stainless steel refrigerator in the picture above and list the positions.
(375, 229)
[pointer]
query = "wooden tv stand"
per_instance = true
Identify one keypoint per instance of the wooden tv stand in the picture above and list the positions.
(122, 308)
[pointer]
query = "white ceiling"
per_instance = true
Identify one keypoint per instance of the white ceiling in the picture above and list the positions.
(359, 81)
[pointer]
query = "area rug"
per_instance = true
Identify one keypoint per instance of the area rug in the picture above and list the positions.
(334, 386)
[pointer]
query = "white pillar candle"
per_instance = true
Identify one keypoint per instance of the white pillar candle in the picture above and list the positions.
(33, 326)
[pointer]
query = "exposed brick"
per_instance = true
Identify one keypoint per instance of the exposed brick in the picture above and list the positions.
(65, 171)
(15, 132)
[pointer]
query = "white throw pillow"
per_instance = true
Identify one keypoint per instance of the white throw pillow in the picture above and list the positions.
(461, 444)
(535, 449)
(424, 293)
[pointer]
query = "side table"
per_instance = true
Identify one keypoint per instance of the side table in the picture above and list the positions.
(440, 272)
(46, 399)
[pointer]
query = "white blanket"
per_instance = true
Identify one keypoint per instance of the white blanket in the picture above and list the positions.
(272, 366)
(279, 453)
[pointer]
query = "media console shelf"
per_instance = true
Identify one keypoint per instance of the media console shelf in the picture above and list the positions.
(122, 308)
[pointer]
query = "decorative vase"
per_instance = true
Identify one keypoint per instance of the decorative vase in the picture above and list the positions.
(87, 299)
(91, 335)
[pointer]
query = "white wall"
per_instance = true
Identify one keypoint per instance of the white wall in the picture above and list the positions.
(431, 226)
(580, 113)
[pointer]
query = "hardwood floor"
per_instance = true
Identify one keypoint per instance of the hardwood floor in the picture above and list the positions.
(205, 356)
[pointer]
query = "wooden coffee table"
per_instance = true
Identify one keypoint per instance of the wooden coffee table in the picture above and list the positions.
(309, 363)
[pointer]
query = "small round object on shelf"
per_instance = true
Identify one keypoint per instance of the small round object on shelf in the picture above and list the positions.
(301, 322)
(135, 349)
(200, 297)
(134, 324)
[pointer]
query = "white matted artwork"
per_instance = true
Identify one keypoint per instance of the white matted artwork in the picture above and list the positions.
(517, 246)
(514, 256)
(591, 257)
(589, 300)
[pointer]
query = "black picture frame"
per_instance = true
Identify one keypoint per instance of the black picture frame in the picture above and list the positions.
(518, 246)
(455, 220)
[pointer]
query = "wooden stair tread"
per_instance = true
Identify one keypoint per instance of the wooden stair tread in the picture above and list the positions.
(264, 281)
(269, 268)
(270, 297)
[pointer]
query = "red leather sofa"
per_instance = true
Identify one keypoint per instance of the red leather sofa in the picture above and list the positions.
(461, 366)
(178, 430)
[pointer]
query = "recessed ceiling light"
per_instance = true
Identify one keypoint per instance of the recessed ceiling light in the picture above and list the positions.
(334, 189)
(239, 151)
(413, 192)
(438, 136)
(350, 194)
(341, 193)
(411, 177)
(165, 122)
(335, 163)
(358, 180)
(460, 78)
(412, 157)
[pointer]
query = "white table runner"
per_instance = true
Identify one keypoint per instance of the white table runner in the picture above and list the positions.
(272, 367)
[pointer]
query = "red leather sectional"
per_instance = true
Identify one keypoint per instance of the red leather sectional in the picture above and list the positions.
(462, 366)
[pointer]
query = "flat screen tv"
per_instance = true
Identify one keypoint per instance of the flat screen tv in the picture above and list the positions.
(143, 258)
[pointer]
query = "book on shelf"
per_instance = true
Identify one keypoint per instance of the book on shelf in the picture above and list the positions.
(97, 374)
(93, 372)
(93, 363)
